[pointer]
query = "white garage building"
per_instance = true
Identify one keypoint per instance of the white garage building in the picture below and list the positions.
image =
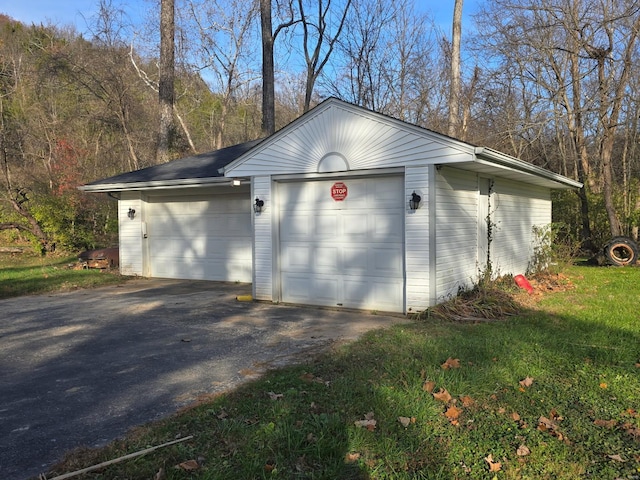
(337, 225)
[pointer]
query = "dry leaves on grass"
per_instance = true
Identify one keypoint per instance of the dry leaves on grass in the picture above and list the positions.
(189, 465)
(550, 425)
(369, 422)
(428, 386)
(451, 363)
(442, 395)
(608, 424)
(406, 421)
(526, 382)
(523, 451)
(494, 466)
(452, 414)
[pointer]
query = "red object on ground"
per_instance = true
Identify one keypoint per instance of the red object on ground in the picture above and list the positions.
(523, 283)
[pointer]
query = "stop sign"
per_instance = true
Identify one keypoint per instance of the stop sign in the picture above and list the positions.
(339, 191)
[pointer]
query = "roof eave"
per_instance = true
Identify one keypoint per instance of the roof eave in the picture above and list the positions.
(156, 184)
(507, 161)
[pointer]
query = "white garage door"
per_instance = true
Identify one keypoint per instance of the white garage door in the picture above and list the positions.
(343, 252)
(201, 238)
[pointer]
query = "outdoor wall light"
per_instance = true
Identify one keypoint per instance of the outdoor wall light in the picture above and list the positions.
(414, 201)
(131, 214)
(257, 207)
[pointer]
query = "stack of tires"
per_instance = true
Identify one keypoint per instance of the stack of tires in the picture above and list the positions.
(621, 251)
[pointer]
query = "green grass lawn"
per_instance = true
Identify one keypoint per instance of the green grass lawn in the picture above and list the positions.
(552, 393)
(24, 274)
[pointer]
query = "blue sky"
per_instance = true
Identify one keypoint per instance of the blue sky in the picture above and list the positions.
(74, 12)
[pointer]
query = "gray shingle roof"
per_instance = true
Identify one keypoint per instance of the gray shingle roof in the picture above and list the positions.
(204, 165)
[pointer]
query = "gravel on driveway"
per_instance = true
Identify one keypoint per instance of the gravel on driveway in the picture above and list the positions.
(82, 368)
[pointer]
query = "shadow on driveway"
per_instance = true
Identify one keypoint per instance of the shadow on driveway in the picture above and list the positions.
(82, 368)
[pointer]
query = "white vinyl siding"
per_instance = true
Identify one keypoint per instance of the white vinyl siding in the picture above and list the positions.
(130, 234)
(417, 240)
(343, 253)
(263, 240)
(456, 231)
(516, 209)
(204, 237)
(364, 141)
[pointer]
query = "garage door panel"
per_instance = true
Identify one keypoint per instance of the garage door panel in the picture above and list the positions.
(388, 227)
(380, 295)
(203, 238)
(355, 247)
(326, 225)
(297, 226)
(296, 256)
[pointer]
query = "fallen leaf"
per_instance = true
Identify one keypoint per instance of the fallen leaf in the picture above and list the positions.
(275, 396)
(222, 415)
(632, 430)
(311, 438)
(189, 465)
(453, 412)
(428, 386)
(160, 475)
(515, 417)
(605, 423)
(493, 465)
(638, 365)
(369, 423)
(546, 425)
(467, 401)
(555, 416)
(442, 396)
(603, 385)
(351, 457)
(451, 363)
(523, 451)
(527, 382)
(617, 458)
(269, 467)
(405, 421)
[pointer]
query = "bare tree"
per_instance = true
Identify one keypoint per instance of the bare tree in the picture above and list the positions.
(454, 88)
(224, 35)
(319, 40)
(269, 35)
(574, 59)
(166, 80)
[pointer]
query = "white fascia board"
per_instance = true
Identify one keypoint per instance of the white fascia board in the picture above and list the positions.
(160, 184)
(506, 161)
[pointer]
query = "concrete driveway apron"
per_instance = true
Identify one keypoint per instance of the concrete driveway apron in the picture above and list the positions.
(82, 368)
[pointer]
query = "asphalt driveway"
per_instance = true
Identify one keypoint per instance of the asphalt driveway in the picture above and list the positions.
(82, 368)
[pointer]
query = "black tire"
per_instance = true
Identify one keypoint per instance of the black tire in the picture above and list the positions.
(621, 251)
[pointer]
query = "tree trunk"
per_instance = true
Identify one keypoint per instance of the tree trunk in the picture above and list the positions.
(454, 88)
(166, 80)
(268, 70)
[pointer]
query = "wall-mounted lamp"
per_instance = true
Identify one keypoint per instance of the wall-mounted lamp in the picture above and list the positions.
(414, 201)
(257, 207)
(131, 214)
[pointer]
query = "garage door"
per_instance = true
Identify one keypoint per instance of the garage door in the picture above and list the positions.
(200, 238)
(341, 243)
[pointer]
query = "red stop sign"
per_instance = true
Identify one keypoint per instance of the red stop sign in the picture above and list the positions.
(339, 191)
